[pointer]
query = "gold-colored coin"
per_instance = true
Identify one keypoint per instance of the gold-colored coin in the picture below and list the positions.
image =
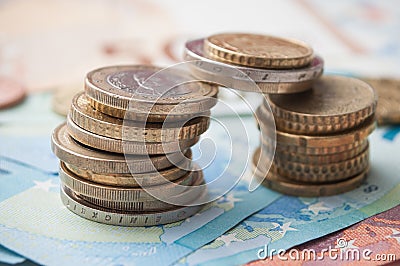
(306, 189)
(63, 96)
(345, 138)
(152, 118)
(317, 151)
(388, 109)
(255, 50)
(71, 152)
(121, 194)
(88, 118)
(127, 147)
(284, 155)
(130, 180)
(334, 104)
(322, 173)
(149, 90)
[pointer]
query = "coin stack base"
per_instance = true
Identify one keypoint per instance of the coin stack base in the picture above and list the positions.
(130, 167)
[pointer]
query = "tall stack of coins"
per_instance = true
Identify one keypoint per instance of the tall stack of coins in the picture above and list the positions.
(127, 141)
(322, 124)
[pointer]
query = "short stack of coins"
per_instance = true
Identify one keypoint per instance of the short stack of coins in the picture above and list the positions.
(127, 139)
(322, 124)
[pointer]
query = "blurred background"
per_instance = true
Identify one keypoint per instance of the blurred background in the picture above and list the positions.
(48, 44)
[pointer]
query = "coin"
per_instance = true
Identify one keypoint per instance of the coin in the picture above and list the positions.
(62, 97)
(257, 50)
(150, 205)
(306, 189)
(11, 93)
(325, 150)
(126, 147)
(129, 180)
(69, 151)
(297, 157)
(140, 89)
(319, 173)
(240, 77)
(123, 218)
(153, 118)
(334, 104)
(388, 109)
(88, 118)
(345, 138)
(87, 188)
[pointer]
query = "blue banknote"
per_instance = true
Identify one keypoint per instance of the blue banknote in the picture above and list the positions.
(35, 224)
(290, 221)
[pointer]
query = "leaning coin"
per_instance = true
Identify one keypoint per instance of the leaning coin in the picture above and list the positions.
(255, 50)
(11, 93)
(122, 194)
(388, 109)
(126, 147)
(132, 180)
(241, 77)
(71, 152)
(149, 90)
(123, 218)
(63, 96)
(305, 189)
(88, 118)
(334, 104)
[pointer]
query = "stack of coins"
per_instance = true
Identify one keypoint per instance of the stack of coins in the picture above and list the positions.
(126, 146)
(320, 147)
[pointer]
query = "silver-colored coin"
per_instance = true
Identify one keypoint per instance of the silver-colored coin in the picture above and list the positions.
(71, 152)
(128, 147)
(90, 119)
(98, 214)
(269, 81)
(149, 90)
(121, 194)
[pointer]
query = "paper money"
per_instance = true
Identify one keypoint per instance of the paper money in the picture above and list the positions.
(33, 213)
(303, 219)
(377, 237)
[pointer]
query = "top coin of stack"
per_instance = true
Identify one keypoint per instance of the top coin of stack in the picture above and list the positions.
(126, 146)
(322, 124)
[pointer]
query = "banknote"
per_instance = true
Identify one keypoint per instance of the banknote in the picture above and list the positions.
(290, 221)
(372, 241)
(35, 224)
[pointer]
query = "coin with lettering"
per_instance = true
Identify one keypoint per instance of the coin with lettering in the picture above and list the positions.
(11, 92)
(149, 90)
(334, 104)
(257, 50)
(99, 214)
